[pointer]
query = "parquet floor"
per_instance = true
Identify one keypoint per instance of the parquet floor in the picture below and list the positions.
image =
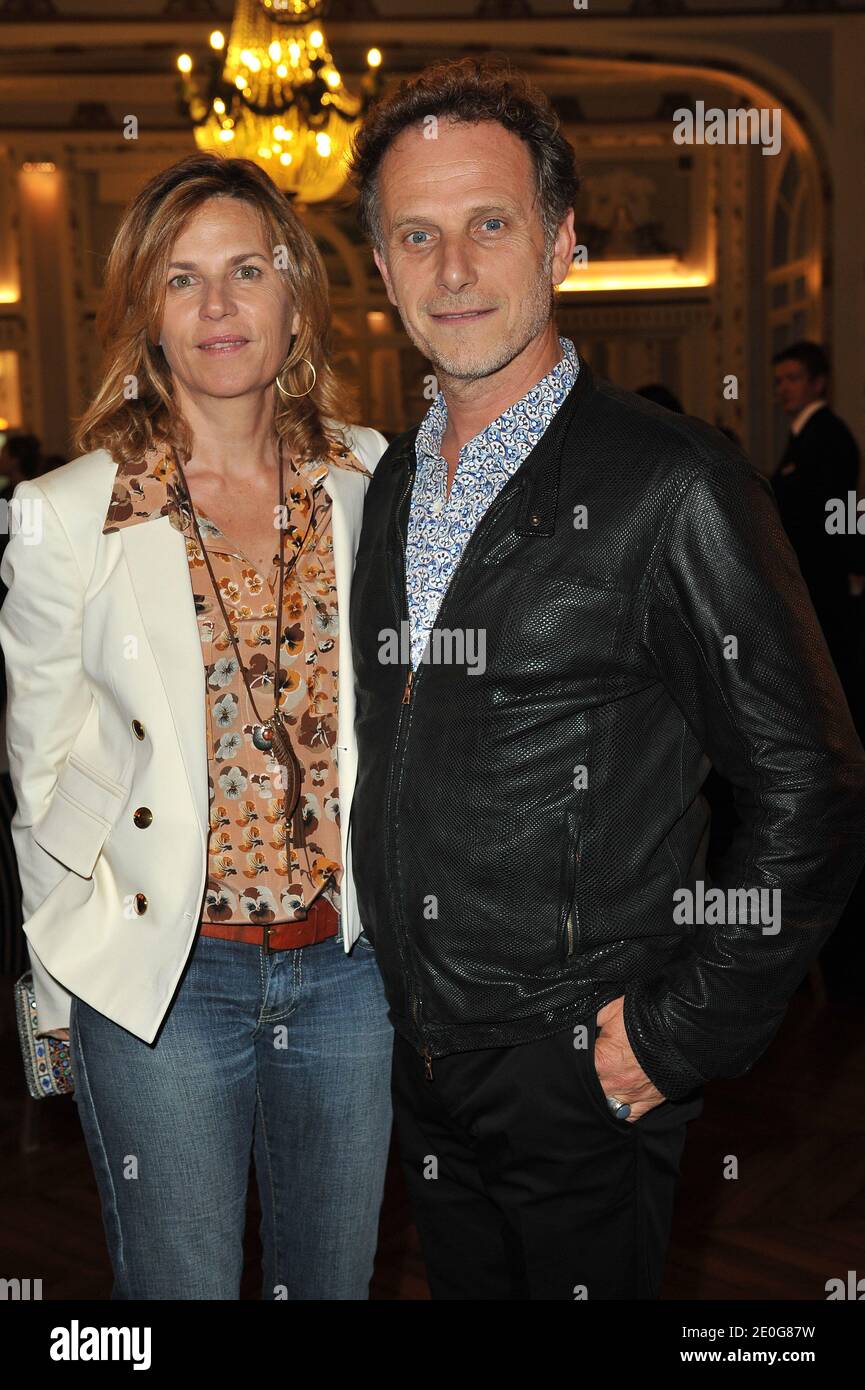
(794, 1216)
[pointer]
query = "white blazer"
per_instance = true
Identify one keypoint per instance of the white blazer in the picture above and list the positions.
(98, 632)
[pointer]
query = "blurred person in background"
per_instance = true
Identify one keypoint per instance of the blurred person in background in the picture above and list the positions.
(820, 463)
(20, 457)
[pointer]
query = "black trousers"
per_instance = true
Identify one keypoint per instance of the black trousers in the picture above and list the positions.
(523, 1183)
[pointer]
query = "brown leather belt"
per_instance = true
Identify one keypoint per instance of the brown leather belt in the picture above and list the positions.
(320, 922)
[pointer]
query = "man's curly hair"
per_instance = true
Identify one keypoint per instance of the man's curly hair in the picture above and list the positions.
(468, 90)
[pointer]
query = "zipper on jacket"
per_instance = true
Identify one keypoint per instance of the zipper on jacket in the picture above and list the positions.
(574, 852)
(512, 486)
(401, 603)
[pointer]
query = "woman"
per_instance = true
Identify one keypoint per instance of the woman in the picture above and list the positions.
(182, 793)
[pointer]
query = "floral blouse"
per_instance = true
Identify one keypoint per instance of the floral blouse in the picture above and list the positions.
(254, 872)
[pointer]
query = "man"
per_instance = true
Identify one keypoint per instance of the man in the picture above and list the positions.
(820, 462)
(604, 602)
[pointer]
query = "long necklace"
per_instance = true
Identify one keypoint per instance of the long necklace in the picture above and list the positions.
(270, 735)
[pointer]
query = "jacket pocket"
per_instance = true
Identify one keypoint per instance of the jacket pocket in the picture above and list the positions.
(570, 929)
(83, 808)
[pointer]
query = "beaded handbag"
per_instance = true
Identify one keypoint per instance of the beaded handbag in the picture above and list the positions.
(47, 1061)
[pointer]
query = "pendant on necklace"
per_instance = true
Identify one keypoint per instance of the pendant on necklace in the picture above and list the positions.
(272, 738)
(262, 737)
(281, 748)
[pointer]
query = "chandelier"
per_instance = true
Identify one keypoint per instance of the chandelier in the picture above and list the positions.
(274, 96)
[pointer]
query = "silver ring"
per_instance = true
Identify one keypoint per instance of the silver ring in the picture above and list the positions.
(621, 1109)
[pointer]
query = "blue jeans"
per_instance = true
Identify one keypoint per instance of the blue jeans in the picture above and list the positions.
(286, 1053)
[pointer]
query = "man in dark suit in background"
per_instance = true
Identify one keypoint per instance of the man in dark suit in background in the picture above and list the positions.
(820, 461)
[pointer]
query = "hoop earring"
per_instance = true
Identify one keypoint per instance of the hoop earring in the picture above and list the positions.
(295, 394)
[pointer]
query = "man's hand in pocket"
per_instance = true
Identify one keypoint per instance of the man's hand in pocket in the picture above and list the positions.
(619, 1072)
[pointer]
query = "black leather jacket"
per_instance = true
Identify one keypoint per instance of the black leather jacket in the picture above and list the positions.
(664, 629)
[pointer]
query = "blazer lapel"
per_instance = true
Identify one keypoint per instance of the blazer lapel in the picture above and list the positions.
(156, 558)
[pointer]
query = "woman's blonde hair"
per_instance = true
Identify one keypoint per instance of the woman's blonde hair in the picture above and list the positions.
(135, 406)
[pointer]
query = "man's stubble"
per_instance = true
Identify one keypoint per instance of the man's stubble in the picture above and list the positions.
(537, 306)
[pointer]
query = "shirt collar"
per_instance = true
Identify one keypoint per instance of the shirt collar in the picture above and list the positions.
(143, 489)
(546, 394)
(148, 488)
(801, 420)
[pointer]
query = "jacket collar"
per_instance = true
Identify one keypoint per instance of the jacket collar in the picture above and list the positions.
(798, 424)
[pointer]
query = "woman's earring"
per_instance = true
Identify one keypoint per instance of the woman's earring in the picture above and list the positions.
(295, 394)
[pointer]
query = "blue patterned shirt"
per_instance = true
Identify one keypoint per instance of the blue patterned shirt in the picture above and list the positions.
(439, 527)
